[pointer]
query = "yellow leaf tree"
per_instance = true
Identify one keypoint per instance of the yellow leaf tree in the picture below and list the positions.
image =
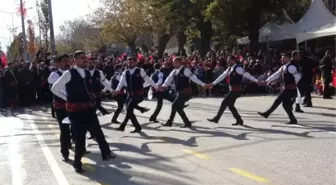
(123, 21)
(32, 48)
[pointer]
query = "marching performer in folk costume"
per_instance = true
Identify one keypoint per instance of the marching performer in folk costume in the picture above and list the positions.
(120, 98)
(236, 74)
(63, 64)
(157, 77)
(98, 80)
(75, 87)
(181, 77)
(133, 79)
(291, 77)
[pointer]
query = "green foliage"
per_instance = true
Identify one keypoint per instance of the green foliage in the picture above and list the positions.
(44, 23)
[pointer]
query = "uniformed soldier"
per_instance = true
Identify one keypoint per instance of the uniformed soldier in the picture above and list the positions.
(291, 77)
(75, 87)
(59, 106)
(181, 77)
(236, 74)
(119, 98)
(133, 79)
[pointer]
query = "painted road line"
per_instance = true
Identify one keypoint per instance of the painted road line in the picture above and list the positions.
(196, 154)
(248, 175)
(55, 168)
(14, 147)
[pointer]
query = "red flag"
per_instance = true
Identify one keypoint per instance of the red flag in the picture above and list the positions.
(334, 78)
(3, 59)
(139, 56)
(24, 10)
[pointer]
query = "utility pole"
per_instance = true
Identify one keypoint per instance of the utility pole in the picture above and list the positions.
(25, 55)
(52, 36)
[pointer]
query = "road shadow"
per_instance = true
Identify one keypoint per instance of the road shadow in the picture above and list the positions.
(124, 167)
(321, 107)
(267, 130)
(310, 126)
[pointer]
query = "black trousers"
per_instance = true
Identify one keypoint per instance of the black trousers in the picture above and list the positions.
(306, 90)
(131, 104)
(285, 97)
(98, 105)
(327, 90)
(52, 110)
(80, 121)
(120, 99)
(229, 101)
(65, 131)
(178, 107)
(160, 96)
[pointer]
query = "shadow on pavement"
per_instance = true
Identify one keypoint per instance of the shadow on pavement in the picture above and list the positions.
(266, 130)
(125, 170)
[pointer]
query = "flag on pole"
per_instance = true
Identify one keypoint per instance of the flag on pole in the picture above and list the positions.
(24, 10)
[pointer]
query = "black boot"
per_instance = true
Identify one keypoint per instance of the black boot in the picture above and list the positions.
(214, 120)
(298, 108)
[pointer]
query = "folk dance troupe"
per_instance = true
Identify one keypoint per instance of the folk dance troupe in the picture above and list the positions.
(77, 96)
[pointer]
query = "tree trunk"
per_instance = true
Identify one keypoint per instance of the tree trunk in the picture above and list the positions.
(206, 35)
(181, 39)
(163, 41)
(253, 15)
(131, 44)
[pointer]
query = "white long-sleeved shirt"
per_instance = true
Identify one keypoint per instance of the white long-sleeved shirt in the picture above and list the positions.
(187, 73)
(118, 77)
(291, 69)
(143, 74)
(54, 76)
(159, 82)
(103, 80)
(58, 87)
(239, 70)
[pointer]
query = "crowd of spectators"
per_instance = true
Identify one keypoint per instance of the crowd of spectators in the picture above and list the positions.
(24, 83)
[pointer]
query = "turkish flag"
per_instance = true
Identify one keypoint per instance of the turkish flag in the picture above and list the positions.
(24, 10)
(3, 59)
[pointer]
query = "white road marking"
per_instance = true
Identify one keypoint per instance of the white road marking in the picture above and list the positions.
(14, 149)
(55, 168)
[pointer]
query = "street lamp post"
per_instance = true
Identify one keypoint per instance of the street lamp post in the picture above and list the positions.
(25, 55)
(52, 37)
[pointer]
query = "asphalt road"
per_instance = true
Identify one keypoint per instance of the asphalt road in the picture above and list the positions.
(264, 151)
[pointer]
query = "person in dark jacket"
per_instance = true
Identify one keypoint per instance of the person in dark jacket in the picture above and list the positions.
(326, 68)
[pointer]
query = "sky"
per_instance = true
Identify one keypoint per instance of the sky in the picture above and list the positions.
(63, 10)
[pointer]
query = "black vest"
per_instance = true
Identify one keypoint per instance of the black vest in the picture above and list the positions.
(96, 81)
(114, 81)
(134, 81)
(181, 81)
(235, 78)
(155, 76)
(287, 77)
(78, 89)
(56, 98)
(166, 72)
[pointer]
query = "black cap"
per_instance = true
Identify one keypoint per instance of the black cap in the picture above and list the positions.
(117, 67)
(286, 55)
(77, 53)
(294, 53)
(157, 66)
(61, 57)
(132, 58)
